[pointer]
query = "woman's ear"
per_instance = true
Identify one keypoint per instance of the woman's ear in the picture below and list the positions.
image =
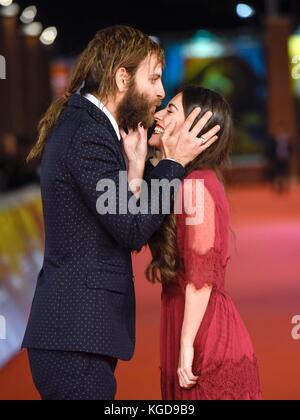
(122, 79)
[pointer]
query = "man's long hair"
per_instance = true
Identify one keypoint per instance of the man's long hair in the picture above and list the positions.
(95, 70)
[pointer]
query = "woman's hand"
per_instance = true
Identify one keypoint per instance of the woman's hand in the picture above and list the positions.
(184, 145)
(187, 379)
(135, 145)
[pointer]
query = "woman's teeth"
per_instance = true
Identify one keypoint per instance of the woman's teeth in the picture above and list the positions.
(158, 130)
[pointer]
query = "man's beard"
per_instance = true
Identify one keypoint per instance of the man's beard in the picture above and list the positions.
(135, 108)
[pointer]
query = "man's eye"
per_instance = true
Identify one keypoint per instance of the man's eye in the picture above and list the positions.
(169, 112)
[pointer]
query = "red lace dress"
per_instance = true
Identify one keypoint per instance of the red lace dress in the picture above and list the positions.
(224, 357)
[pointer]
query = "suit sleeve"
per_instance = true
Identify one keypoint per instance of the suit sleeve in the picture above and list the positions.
(148, 170)
(95, 168)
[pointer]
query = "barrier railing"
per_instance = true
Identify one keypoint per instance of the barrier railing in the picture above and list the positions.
(21, 246)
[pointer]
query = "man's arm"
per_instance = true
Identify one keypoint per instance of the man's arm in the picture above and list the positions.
(92, 158)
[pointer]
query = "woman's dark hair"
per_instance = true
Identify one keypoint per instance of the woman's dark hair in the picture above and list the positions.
(165, 262)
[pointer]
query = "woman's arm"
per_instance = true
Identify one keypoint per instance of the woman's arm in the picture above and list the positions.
(135, 176)
(196, 302)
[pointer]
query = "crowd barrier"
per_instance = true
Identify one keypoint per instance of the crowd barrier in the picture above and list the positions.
(21, 254)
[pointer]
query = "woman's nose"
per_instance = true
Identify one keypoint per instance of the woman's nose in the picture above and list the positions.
(158, 116)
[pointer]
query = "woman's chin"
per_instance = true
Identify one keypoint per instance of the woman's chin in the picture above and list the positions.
(154, 141)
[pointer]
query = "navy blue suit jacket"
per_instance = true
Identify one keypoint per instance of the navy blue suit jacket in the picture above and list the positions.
(84, 299)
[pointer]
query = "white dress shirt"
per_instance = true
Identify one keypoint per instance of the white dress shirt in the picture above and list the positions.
(103, 108)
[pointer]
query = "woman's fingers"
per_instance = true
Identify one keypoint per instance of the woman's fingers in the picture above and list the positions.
(142, 131)
(201, 124)
(211, 133)
(191, 119)
(187, 379)
(188, 384)
(190, 379)
(191, 376)
(183, 382)
(123, 133)
(203, 147)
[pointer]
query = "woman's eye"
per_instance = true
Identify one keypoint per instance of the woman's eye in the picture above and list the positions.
(169, 112)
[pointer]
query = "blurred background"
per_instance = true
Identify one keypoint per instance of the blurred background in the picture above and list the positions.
(249, 52)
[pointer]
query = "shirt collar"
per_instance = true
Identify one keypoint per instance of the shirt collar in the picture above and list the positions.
(103, 108)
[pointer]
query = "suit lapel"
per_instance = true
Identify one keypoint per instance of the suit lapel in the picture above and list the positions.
(79, 101)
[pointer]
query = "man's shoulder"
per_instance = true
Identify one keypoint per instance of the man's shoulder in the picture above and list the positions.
(87, 128)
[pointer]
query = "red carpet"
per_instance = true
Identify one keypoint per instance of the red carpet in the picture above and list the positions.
(263, 279)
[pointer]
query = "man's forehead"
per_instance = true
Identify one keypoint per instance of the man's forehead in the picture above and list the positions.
(152, 65)
(155, 65)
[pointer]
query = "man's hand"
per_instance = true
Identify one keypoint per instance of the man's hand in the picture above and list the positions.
(185, 146)
(187, 379)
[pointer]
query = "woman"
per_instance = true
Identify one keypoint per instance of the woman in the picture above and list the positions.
(206, 351)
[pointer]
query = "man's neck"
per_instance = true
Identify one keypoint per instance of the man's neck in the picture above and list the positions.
(158, 154)
(156, 158)
(109, 104)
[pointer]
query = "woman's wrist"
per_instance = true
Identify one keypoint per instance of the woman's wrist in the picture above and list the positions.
(135, 176)
(187, 342)
(137, 167)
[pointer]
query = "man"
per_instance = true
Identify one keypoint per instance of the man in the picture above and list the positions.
(83, 314)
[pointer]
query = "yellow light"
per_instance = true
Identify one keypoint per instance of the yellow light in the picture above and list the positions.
(294, 45)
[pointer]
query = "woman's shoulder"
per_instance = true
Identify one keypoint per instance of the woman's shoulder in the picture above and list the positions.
(212, 183)
(206, 175)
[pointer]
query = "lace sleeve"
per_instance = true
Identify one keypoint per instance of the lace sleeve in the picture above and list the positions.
(200, 257)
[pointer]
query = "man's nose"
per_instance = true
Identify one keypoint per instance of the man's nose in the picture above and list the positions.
(161, 92)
